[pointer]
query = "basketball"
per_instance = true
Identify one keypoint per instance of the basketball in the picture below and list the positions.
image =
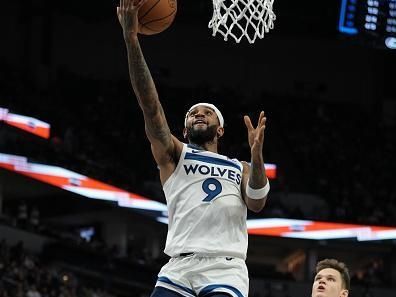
(156, 15)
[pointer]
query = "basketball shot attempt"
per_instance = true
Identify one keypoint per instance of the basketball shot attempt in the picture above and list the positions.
(207, 194)
(156, 15)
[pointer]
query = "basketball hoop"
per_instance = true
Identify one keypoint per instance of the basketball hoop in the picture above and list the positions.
(239, 18)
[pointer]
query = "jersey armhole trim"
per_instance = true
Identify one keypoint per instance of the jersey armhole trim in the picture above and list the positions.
(172, 176)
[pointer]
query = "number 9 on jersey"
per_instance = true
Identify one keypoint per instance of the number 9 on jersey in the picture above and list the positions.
(212, 187)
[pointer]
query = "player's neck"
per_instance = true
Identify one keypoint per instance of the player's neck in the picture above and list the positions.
(210, 146)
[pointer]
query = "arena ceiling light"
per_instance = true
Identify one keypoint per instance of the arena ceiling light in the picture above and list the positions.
(29, 124)
(77, 183)
(277, 227)
(315, 230)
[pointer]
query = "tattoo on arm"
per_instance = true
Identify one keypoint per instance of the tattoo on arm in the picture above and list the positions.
(257, 179)
(146, 93)
(157, 129)
(140, 76)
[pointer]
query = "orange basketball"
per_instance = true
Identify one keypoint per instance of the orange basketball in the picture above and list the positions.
(156, 15)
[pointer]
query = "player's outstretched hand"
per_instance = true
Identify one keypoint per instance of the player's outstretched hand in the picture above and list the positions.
(256, 135)
(127, 13)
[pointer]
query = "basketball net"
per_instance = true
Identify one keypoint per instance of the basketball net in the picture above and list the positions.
(239, 18)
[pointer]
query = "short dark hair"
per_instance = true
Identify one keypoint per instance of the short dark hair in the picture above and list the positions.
(339, 266)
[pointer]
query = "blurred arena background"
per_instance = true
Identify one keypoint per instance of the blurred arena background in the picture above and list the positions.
(325, 77)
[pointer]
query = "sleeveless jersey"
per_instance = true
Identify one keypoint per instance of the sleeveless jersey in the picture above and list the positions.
(207, 214)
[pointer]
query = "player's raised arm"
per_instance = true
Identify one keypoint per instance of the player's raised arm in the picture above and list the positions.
(255, 185)
(166, 148)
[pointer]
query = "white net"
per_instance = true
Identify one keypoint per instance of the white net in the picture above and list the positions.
(239, 18)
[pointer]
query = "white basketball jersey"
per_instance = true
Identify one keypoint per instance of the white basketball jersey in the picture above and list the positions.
(207, 214)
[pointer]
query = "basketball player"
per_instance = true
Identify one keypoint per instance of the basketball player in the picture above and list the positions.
(331, 279)
(207, 193)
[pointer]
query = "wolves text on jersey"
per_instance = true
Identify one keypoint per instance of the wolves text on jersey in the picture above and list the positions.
(213, 171)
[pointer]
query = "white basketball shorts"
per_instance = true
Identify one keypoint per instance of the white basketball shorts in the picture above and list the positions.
(195, 275)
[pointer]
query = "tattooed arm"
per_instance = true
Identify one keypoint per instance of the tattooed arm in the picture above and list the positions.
(165, 147)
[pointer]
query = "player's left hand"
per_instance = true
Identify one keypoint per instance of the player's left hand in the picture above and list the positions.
(256, 135)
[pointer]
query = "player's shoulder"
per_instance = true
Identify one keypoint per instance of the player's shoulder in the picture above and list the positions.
(233, 161)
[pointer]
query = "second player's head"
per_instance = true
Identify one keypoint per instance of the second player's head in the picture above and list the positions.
(331, 280)
(203, 123)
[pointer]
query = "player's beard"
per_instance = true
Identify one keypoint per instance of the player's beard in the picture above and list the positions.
(201, 136)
